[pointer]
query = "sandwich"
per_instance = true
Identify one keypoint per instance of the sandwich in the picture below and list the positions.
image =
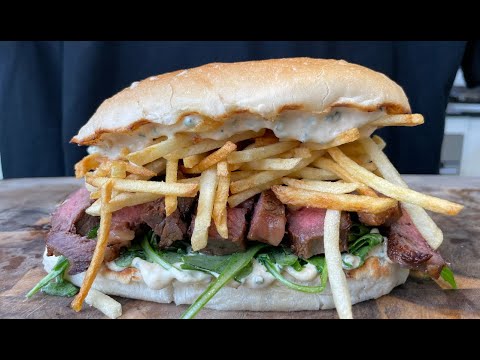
(253, 186)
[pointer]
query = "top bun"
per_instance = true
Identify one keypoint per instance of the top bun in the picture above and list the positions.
(264, 88)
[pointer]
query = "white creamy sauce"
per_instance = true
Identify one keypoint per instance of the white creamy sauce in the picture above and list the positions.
(111, 265)
(350, 262)
(156, 277)
(293, 124)
(259, 277)
(308, 273)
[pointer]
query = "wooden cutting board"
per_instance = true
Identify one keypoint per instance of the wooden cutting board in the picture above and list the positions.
(25, 205)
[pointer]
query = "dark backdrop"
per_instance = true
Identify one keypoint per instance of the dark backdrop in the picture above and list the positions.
(49, 89)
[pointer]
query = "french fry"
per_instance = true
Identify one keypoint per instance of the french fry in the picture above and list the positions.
(191, 161)
(155, 187)
(237, 199)
(171, 178)
(97, 194)
(108, 306)
(122, 200)
(422, 221)
(399, 120)
(99, 253)
(322, 186)
(345, 202)
(267, 176)
(352, 149)
(379, 141)
(272, 164)
(139, 170)
(311, 173)
(89, 162)
(208, 145)
(158, 167)
(302, 152)
(343, 138)
(394, 191)
(333, 259)
(330, 165)
(238, 175)
(208, 185)
(156, 151)
(124, 152)
(118, 169)
(215, 157)
(221, 196)
(265, 140)
(260, 152)
(193, 180)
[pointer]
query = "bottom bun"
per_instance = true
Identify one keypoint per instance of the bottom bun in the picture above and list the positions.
(375, 278)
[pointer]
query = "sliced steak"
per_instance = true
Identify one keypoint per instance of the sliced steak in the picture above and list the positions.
(247, 204)
(268, 220)
(86, 223)
(305, 230)
(387, 217)
(237, 227)
(153, 214)
(62, 239)
(407, 247)
(174, 229)
(70, 225)
(70, 211)
(77, 249)
(170, 228)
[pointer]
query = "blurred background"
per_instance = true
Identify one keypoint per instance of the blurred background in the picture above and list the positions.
(49, 89)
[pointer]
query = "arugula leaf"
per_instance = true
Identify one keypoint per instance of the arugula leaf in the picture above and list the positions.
(267, 261)
(60, 288)
(153, 256)
(247, 270)
(363, 245)
(212, 264)
(318, 261)
(447, 275)
(283, 256)
(235, 265)
(297, 265)
(126, 257)
(357, 230)
(92, 234)
(171, 256)
(57, 270)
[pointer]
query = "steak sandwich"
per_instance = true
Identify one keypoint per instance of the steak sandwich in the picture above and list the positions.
(244, 186)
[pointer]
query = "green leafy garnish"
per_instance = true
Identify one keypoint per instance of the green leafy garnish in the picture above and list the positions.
(283, 256)
(212, 264)
(126, 257)
(297, 265)
(172, 257)
(363, 245)
(357, 230)
(92, 234)
(57, 270)
(242, 274)
(235, 264)
(447, 275)
(267, 261)
(152, 255)
(60, 288)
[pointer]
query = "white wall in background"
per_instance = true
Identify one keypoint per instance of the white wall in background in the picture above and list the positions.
(469, 127)
(1, 172)
(459, 79)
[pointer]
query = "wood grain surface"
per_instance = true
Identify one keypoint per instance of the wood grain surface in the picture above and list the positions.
(26, 204)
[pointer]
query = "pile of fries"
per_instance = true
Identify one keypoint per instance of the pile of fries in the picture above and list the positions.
(345, 174)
